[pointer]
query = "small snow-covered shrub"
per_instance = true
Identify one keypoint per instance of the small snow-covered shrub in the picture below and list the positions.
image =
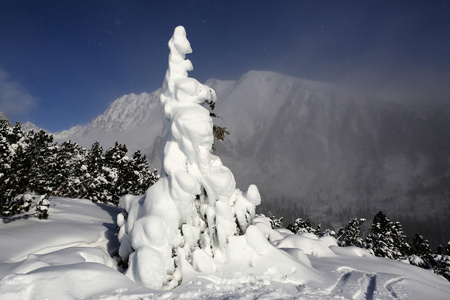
(351, 234)
(30, 204)
(442, 265)
(276, 223)
(300, 226)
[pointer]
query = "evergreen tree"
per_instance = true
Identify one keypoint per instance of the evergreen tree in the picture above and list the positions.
(31, 163)
(138, 177)
(441, 261)
(19, 179)
(421, 254)
(38, 156)
(386, 238)
(117, 171)
(70, 167)
(301, 225)
(12, 140)
(444, 250)
(94, 181)
(6, 153)
(421, 247)
(351, 234)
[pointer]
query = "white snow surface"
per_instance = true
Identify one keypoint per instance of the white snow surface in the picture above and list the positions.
(68, 257)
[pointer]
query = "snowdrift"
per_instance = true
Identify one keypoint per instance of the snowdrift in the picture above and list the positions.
(68, 256)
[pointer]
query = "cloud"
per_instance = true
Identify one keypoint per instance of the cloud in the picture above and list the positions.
(14, 98)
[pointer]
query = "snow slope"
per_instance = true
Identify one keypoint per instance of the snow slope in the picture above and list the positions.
(68, 257)
(312, 149)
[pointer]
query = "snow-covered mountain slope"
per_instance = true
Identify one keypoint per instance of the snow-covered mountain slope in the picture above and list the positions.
(28, 126)
(133, 120)
(3, 116)
(311, 148)
(67, 256)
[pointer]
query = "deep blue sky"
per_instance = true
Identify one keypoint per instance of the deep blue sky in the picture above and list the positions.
(63, 62)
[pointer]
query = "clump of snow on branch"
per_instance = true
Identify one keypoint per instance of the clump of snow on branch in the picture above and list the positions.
(186, 220)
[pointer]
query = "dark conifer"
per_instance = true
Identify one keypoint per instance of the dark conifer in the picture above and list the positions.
(351, 234)
(386, 238)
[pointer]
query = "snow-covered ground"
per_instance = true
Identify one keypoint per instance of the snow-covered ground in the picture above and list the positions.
(68, 256)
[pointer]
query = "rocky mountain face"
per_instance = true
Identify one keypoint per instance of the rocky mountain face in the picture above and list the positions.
(312, 149)
(133, 120)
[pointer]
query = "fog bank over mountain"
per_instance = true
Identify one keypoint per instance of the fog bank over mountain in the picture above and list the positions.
(312, 149)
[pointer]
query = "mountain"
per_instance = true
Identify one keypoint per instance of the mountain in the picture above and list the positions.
(28, 126)
(3, 116)
(133, 120)
(313, 149)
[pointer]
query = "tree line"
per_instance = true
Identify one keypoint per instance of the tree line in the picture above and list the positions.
(31, 163)
(385, 238)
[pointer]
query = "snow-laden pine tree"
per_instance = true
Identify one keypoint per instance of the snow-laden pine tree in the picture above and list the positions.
(386, 238)
(421, 254)
(350, 235)
(301, 226)
(187, 217)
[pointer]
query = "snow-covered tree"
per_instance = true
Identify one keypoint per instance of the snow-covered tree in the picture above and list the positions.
(95, 182)
(186, 218)
(37, 162)
(301, 225)
(386, 238)
(420, 253)
(139, 178)
(8, 143)
(441, 261)
(70, 168)
(444, 249)
(276, 223)
(350, 235)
